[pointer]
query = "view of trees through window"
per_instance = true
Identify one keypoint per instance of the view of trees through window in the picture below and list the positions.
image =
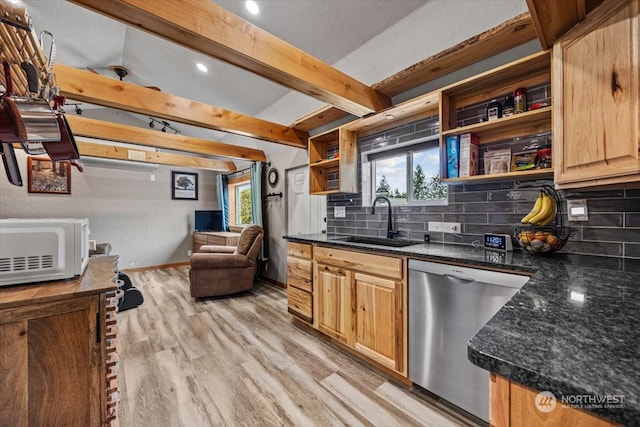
(419, 171)
(243, 204)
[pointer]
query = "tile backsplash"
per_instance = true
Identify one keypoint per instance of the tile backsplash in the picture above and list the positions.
(613, 228)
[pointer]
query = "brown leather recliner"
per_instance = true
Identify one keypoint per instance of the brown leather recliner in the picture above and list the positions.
(224, 270)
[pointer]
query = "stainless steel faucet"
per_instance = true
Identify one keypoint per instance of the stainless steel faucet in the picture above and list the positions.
(390, 231)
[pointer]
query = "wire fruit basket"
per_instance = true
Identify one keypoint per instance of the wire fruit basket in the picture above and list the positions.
(550, 237)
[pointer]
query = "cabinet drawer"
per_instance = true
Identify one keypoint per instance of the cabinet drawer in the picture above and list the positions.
(299, 303)
(300, 250)
(372, 264)
(300, 283)
(299, 267)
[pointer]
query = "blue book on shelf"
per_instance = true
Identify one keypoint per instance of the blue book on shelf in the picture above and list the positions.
(453, 157)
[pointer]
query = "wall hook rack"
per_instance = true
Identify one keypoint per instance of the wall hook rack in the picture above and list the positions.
(273, 195)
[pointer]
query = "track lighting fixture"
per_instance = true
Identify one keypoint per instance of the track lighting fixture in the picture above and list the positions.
(165, 125)
(77, 107)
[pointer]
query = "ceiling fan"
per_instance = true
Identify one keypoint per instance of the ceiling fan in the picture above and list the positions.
(121, 71)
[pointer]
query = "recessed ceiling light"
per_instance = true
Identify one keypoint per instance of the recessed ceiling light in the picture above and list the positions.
(389, 116)
(202, 67)
(252, 7)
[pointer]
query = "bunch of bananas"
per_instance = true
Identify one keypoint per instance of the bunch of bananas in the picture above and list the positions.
(543, 211)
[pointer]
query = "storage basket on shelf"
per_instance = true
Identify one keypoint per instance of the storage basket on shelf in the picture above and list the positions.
(545, 232)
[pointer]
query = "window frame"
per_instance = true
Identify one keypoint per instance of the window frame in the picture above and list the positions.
(408, 149)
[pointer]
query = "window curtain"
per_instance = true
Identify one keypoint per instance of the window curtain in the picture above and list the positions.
(223, 199)
(256, 199)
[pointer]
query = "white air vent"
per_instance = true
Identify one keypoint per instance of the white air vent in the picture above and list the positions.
(33, 262)
(19, 263)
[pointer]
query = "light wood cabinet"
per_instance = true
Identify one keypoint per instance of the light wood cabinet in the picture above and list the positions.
(299, 281)
(333, 162)
(58, 352)
(378, 319)
(514, 405)
(597, 127)
(333, 286)
(361, 301)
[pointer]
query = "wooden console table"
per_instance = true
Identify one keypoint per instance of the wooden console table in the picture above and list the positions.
(58, 350)
(220, 238)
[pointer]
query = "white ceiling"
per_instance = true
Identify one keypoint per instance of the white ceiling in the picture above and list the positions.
(327, 29)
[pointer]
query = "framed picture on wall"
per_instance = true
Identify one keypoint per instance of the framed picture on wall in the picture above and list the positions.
(184, 185)
(47, 176)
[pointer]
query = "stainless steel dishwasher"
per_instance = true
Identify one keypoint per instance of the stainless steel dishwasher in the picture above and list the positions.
(448, 304)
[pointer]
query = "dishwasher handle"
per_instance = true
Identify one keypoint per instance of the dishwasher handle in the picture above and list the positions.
(467, 280)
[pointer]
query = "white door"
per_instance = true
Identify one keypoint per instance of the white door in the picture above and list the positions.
(305, 214)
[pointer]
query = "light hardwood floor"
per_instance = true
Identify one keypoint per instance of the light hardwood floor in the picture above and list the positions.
(241, 361)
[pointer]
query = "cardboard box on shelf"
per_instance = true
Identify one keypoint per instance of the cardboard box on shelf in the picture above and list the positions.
(469, 149)
(453, 156)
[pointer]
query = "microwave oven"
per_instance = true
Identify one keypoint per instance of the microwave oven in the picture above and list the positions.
(42, 249)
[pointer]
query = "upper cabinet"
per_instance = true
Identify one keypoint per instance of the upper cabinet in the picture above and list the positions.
(552, 19)
(333, 162)
(457, 99)
(596, 86)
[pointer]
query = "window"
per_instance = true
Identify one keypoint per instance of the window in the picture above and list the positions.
(240, 209)
(243, 204)
(406, 175)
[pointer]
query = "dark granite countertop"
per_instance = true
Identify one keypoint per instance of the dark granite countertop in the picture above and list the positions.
(570, 330)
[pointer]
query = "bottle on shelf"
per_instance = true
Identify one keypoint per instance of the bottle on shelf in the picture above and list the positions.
(494, 110)
(508, 108)
(520, 100)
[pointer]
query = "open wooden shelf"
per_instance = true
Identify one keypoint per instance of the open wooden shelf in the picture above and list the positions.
(530, 174)
(415, 109)
(333, 175)
(527, 123)
(325, 164)
(531, 71)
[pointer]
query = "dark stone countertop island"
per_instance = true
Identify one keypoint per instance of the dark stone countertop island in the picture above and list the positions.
(573, 329)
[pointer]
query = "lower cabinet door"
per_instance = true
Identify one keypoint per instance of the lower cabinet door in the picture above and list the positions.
(334, 301)
(50, 373)
(378, 319)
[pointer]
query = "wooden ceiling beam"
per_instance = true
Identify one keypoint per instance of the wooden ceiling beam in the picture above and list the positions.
(511, 33)
(96, 89)
(208, 28)
(122, 153)
(92, 128)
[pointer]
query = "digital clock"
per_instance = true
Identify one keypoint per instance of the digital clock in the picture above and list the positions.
(499, 242)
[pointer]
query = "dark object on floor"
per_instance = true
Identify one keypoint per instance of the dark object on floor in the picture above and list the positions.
(131, 296)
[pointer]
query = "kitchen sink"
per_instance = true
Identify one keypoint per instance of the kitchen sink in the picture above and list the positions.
(380, 241)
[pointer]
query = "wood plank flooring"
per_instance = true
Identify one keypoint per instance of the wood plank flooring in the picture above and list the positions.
(241, 361)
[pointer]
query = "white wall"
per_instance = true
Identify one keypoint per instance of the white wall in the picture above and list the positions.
(125, 208)
(438, 25)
